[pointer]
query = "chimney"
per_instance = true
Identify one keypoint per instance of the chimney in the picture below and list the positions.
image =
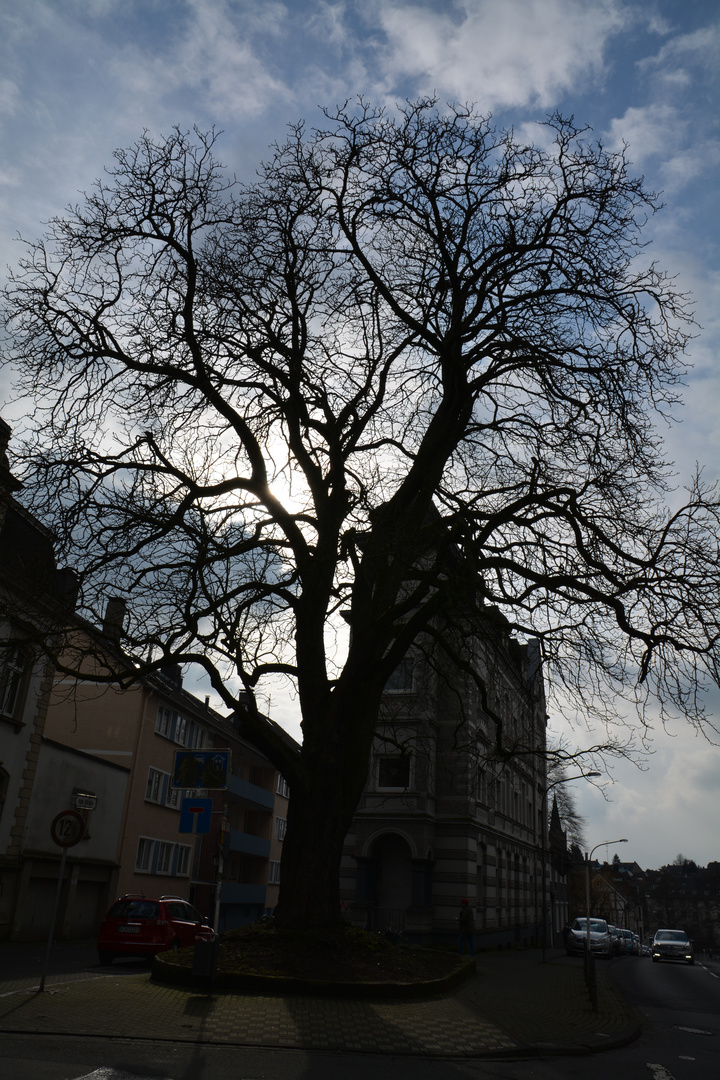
(172, 673)
(114, 621)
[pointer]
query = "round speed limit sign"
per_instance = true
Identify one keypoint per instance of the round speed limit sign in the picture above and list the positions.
(67, 828)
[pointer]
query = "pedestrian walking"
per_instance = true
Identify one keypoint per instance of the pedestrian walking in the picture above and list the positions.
(466, 928)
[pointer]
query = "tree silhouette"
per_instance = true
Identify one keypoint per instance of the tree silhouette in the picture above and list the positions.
(415, 343)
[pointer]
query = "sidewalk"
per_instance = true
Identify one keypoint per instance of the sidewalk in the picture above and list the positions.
(515, 1006)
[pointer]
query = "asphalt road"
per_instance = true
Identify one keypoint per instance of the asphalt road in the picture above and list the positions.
(679, 1005)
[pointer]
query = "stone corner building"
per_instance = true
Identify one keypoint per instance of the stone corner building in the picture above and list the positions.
(444, 815)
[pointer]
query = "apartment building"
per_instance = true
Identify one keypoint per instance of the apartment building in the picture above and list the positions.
(60, 737)
(454, 806)
(238, 876)
(224, 871)
(40, 779)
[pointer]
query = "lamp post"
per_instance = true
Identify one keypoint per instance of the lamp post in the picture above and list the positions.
(589, 958)
(562, 780)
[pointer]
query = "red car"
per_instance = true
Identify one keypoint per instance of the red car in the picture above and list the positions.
(139, 925)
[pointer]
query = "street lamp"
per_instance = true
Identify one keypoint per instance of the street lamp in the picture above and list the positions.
(562, 780)
(589, 966)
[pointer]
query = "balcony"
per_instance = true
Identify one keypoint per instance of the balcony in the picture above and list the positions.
(251, 792)
(248, 844)
(235, 893)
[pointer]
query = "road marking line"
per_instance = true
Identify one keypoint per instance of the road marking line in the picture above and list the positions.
(53, 990)
(659, 1072)
(108, 1073)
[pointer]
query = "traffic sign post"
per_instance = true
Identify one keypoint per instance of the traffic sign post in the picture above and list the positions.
(195, 815)
(204, 769)
(67, 829)
(83, 800)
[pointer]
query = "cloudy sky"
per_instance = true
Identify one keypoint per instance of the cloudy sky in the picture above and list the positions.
(79, 78)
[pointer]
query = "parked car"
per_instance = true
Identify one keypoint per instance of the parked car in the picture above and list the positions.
(672, 945)
(600, 939)
(618, 945)
(627, 939)
(138, 925)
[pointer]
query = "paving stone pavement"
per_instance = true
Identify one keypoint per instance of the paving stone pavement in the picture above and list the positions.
(515, 1005)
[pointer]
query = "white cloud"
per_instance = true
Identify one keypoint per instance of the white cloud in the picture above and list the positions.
(515, 53)
(9, 97)
(648, 131)
(670, 808)
(212, 57)
(664, 132)
(701, 48)
(328, 24)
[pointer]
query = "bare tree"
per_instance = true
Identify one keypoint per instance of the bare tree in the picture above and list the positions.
(414, 341)
(572, 820)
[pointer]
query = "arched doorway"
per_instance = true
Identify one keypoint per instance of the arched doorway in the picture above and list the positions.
(393, 882)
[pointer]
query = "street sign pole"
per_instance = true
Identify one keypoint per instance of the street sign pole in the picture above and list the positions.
(61, 875)
(67, 829)
(223, 834)
(218, 890)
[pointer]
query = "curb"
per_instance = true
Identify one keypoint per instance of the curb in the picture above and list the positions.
(551, 1050)
(515, 1053)
(235, 982)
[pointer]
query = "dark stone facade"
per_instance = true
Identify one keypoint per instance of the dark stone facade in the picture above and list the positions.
(455, 802)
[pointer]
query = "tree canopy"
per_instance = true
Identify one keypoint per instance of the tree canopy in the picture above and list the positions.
(261, 407)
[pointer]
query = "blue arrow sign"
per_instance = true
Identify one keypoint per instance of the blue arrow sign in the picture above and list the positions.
(195, 815)
(201, 769)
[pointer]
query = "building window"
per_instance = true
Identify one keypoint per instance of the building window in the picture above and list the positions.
(402, 678)
(393, 771)
(144, 854)
(480, 887)
(171, 725)
(154, 787)
(281, 828)
(164, 857)
(183, 860)
(13, 664)
(481, 786)
(180, 733)
(196, 740)
(282, 787)
(4, 785)
(273, 873)
(163, 721)
(158, 789)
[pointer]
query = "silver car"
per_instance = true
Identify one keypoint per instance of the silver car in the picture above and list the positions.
(672, 945)
(628, 942)
(600, 940)
(617, 943)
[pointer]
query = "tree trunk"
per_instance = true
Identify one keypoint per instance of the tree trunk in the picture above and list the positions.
(326, 787)
(318, 821)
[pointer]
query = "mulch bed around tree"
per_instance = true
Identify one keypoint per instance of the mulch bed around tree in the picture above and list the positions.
(324, 958)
